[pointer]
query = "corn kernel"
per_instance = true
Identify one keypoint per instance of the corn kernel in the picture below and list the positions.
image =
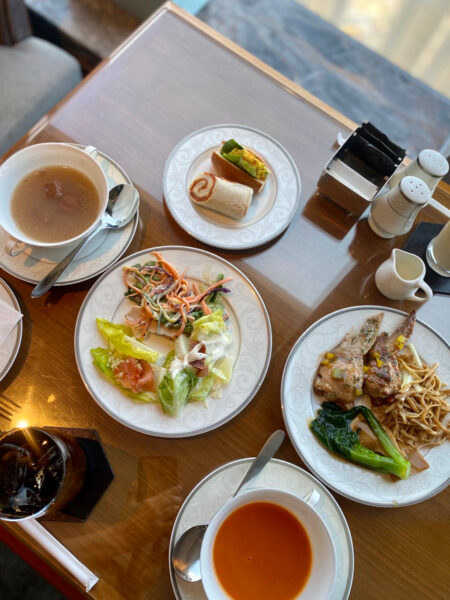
(401, 339)
(358, 392)
(325, 361)
(376, 354)
(380, 363)
(366, 368)
(330, 355)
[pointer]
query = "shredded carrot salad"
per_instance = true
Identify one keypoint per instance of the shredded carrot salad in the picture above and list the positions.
(166, 297)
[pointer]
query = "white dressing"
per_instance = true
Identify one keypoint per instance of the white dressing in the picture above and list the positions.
(178, 364)
(216, 346)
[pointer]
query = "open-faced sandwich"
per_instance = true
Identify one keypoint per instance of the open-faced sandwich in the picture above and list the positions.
(240, 164)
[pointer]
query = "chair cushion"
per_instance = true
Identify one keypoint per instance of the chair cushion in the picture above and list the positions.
(34, 76)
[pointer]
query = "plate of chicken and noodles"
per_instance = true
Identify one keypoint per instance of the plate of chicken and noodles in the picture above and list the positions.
(365, 399)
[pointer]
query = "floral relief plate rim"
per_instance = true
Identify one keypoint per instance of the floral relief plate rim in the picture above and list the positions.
(350, 480)
(281, 193)
(216, 488)
(253, 345)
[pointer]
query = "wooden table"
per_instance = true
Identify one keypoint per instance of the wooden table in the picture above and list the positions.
(172, 76)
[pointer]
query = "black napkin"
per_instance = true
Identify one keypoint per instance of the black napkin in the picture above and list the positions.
(417, 244)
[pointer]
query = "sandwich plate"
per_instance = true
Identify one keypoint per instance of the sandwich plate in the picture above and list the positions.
(300, 404)
(271, 210)
(249, 327)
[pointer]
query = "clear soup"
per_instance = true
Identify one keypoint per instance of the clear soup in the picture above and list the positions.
(54, 204)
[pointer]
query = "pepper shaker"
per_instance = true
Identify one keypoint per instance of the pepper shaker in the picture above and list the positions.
(393, 213)
(430, 166)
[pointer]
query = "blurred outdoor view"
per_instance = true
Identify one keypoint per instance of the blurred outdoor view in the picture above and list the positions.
(413, 34)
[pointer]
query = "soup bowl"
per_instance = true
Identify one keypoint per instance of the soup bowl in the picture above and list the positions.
(39, 156)
(319, 576)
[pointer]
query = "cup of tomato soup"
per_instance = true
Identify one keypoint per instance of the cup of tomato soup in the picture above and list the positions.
(267, 544)
(51, 194)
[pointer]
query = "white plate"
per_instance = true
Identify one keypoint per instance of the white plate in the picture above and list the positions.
(250, 329)
(300, 404)
(271, 210)
(10, 347)
(216, 488)
(106, 247)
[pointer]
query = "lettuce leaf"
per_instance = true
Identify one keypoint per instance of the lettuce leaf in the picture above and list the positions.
(101, 358)
(223, 369)
(208, 325)
(230, 145)
(174, 393)
(120, 338)
(201, 391)
(241, 163)
(169, 358)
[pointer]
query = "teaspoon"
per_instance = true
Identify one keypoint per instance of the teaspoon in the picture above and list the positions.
(122, 205)
(186, 554)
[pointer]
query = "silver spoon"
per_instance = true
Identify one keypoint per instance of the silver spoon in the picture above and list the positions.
(121, 208)
(186, 554)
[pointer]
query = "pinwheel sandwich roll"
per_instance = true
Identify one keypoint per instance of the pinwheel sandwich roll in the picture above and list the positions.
(226, 197)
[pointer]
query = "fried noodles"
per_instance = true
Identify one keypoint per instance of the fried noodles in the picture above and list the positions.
(417, 417)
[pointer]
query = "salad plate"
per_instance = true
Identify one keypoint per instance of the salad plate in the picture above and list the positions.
(216, 489)
(103, 250)
(271, 210)
(248, 327)
(10, 348)
(300, 404)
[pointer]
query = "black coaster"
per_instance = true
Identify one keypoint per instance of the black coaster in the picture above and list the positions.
(417, 244)
(98, 476)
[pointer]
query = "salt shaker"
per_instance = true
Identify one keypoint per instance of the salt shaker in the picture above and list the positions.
(430, 166)
(393, 213)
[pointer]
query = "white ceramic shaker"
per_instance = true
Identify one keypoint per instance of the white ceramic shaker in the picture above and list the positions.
(438, 252)
(393, 213)
(430, 166)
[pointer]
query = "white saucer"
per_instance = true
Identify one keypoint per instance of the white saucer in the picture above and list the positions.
(107, 247)
(271, 210)
(216, 488)
(10, 347)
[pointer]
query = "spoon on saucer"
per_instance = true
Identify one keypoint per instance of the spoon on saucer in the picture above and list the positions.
(122, 206)
(186, 554)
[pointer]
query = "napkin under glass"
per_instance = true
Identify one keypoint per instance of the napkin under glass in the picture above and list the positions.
(9, 317)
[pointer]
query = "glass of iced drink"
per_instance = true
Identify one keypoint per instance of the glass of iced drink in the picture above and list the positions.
(40, 472)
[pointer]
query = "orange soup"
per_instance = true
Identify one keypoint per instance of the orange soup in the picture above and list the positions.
(54, 203)
(262, 551)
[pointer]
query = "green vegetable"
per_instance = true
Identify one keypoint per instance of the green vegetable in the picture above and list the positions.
(230, 145)
(102, 360)
(174, 393)
(332, 427)
(201, 391)
(208, 325)
(120, 338)
(223, 369)
(169, 358)
(236, 158)
(181, 346)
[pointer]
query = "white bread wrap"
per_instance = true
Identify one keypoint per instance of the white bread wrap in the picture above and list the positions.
(223, 196)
